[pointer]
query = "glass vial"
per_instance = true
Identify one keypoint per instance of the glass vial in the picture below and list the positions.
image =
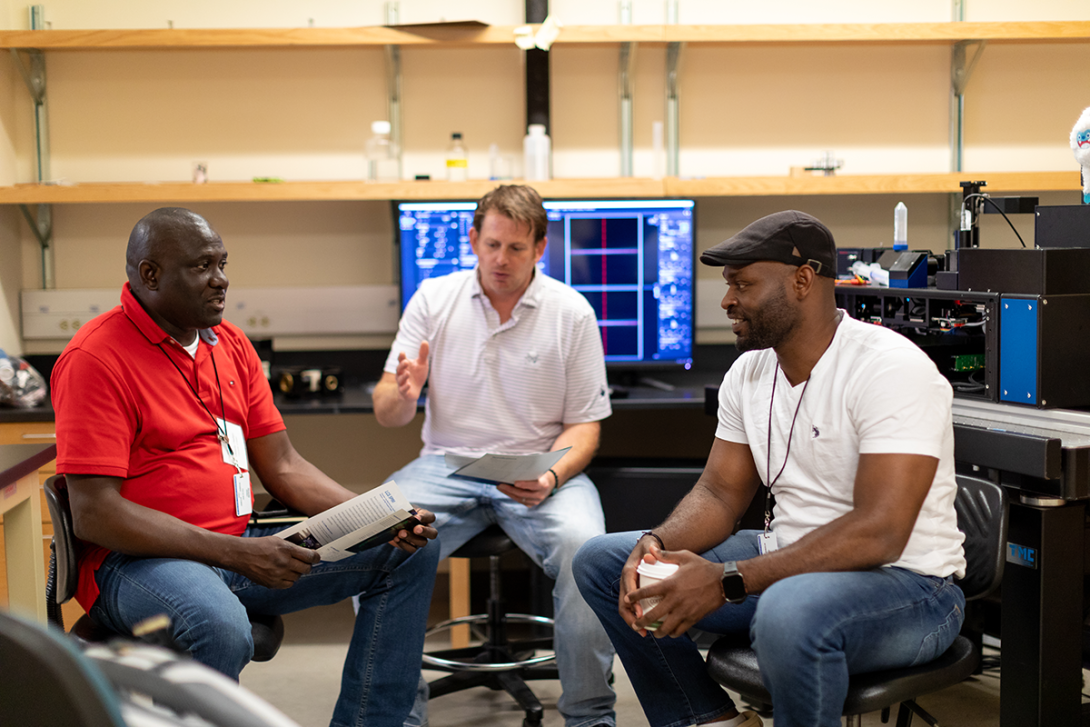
(457, 160)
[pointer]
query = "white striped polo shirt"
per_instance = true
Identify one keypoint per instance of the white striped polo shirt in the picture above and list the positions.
(506, 388)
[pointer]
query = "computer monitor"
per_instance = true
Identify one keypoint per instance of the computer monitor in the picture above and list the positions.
(632, 259)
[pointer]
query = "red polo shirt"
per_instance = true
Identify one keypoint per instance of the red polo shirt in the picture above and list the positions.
(123, 410)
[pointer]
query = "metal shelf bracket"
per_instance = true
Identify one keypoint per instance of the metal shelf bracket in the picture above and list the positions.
(41, 224)
(393, 86)
(34, 78)
(626, 68)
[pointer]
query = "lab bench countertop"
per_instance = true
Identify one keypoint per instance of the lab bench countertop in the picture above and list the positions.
(682, 391)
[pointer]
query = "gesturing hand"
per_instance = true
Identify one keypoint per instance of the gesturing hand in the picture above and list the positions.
(412, 373)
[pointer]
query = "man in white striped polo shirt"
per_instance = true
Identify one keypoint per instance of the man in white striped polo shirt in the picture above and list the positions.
(513, 361)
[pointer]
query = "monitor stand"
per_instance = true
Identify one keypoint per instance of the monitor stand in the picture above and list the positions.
(630, 379)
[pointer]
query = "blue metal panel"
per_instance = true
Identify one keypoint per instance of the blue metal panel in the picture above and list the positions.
(1018, 350)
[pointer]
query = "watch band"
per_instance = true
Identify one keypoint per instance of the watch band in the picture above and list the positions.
(656, 537)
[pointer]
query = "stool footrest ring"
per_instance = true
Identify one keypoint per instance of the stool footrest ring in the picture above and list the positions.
(454, 665)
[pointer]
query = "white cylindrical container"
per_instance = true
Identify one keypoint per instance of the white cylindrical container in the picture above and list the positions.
(382, 162)
(537, 154)
(900, 227)
(652, 573)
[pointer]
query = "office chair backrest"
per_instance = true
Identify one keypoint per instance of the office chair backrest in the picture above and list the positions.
(982, 515)
(64, 540)
(47, 682)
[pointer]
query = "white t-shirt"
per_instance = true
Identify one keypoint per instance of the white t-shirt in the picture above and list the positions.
(872, 392)
(506, 388)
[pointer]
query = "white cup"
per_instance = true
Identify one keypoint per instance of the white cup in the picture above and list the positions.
(653, 573)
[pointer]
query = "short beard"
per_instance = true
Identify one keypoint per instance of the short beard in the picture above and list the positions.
(770, 326)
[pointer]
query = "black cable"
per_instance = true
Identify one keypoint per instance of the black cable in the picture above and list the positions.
(997, 209)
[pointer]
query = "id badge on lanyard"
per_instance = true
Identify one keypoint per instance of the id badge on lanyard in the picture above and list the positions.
(234, 454)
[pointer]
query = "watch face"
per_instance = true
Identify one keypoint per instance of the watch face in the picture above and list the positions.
(734, 588)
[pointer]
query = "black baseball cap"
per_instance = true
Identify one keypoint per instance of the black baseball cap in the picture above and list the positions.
(790, 237)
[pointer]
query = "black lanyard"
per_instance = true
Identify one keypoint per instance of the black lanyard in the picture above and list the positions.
(768, 446)
(220, 434)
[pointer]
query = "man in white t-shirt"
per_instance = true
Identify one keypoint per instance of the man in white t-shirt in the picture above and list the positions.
(849, 426)
(514, 365)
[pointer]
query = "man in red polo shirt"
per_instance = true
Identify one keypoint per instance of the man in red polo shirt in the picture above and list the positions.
(162, 412)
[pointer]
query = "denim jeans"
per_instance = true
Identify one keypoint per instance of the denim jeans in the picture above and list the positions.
(207, 610)
(550, 534)
(809, 631)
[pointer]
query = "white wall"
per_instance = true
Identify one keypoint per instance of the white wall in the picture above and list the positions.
(147, 116)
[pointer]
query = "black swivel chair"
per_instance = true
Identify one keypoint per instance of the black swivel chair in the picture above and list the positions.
(982, 515)
(268, 631)
(48, 680)
(499, 662)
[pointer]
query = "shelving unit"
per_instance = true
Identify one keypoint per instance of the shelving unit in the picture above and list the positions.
(461, 35)
(557, 188)
(957, 36)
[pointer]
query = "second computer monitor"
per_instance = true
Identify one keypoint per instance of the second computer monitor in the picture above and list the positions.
(632, 259)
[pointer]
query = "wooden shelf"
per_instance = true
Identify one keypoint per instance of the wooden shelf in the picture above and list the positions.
(872, 184)
(456, 35)
(171, 192)
(308, 191)
(880, 32)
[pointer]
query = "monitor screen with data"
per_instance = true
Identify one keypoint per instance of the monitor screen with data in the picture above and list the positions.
(633, 260)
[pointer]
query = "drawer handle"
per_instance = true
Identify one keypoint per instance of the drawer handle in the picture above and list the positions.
(49, 435)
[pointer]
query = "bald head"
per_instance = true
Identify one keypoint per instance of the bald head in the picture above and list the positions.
(175, 263)
(159, 233)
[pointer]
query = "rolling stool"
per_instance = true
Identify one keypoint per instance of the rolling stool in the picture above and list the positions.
(498, 663)
(60, 586)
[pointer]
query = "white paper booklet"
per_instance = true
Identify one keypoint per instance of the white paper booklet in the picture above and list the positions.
(363, 522)
(506, 467)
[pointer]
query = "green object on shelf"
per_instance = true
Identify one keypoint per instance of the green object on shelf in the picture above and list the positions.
(969, 362)
(268, 180)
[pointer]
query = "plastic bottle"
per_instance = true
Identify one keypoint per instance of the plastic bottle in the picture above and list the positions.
(382, 161)
(7, 371)
(537, 153)
(900, 227)
(872, 272)
(457, 161)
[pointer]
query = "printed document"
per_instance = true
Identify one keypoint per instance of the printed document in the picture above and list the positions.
(508, 468)
(363, 522)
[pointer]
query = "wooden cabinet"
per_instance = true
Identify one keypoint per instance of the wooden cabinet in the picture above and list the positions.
(34, 433)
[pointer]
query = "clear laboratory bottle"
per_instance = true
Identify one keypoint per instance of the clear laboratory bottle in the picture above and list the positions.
(457, 159)
(537, 153)
(900, 227)
(382, 157)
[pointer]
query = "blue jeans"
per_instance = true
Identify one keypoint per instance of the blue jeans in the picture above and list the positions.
(809, 631)
(207, 609)
(550, 534)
